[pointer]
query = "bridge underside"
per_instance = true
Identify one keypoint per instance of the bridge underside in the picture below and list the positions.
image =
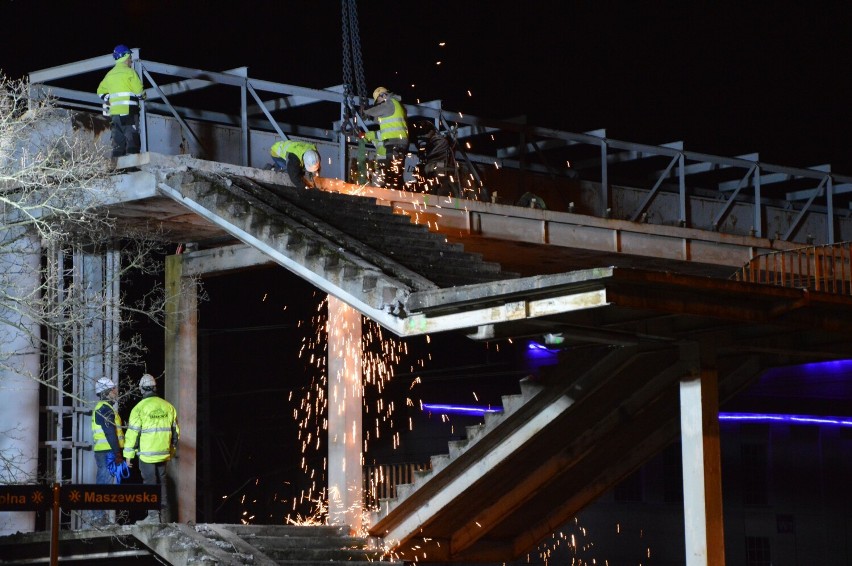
(612, 403)
(635, 329)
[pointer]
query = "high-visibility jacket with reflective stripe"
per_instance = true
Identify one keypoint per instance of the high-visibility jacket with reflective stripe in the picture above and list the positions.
(99, 438)
(152, 431)
(381, 150)
(393, 127)
(124, 88)
(282, 148)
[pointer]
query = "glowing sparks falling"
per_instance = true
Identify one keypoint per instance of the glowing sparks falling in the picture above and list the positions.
(380, 357)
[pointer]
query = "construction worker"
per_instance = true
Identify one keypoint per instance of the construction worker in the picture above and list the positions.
(296, 158)
(436, 166)
(121, 90)
(107, 438)
(152, 433)
(392, 134)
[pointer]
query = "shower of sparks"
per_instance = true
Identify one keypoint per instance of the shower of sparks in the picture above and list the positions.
(380, 358)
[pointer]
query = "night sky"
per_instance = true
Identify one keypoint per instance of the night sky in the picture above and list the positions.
(725, 77)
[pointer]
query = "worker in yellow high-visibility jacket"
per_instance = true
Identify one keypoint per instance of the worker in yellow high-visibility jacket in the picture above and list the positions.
(392, 135)
(297, 158)
(152, 434)
(107, 437)
(121, 90)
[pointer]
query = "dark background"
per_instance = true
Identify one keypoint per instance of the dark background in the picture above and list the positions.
(725, 77)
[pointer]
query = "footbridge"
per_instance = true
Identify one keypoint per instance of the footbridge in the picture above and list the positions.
(674, 279)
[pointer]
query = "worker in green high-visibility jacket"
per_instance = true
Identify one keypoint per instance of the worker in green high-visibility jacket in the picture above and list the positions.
(121, 90)
(152, 434)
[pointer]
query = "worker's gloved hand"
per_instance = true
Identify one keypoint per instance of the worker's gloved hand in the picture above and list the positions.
(360, 134)
(119, 459)
(129, 463)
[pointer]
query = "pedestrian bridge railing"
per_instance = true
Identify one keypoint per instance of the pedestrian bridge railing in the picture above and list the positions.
(380, 481)
(826, 268)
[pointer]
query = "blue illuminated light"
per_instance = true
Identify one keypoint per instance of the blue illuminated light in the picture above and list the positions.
(788, 419)
(461, 409)
(736, 417)
(536, 346)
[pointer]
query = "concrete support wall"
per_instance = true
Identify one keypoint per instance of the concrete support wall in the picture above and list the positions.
(182, 385)
(702, 468)
(20, 263)
(345, 401)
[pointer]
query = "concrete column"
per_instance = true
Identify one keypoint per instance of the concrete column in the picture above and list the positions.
(345, 401)
(702, 469)
(20, 264)
(92, 343)
(181, 365)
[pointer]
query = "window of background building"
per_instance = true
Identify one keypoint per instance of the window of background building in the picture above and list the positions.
(757, 551)
(755, 476)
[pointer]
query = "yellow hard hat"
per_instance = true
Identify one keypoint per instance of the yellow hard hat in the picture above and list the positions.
(378, 92)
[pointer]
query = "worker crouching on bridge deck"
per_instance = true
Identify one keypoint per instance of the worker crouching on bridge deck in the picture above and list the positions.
(298, 159)
(121, 90)
(392, 136)
(152, 433)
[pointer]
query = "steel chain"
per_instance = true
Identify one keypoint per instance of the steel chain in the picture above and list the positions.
(356, 54)
(348, 126)
(352, 63)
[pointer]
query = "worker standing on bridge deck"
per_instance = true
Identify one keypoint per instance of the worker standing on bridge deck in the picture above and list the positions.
(152, 433)
(121, 90)
(297, 159)
(107, 438)
(392, 134)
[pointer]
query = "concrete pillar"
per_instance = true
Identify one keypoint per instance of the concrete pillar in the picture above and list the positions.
(345, 401)
(181, 379)
(20, 264)
(97, 275)
(702, 469)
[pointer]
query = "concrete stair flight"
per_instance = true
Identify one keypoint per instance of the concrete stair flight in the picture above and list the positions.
(577, 431)
(263, 545)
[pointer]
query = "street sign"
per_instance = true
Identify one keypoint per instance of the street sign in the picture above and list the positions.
(79, 496)
(97, 496)
(25, 497)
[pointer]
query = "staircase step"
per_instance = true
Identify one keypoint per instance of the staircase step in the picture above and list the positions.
(457, 447)
(474, 432)
(439, 462)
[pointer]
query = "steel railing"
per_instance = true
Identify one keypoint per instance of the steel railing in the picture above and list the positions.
(817, 268)
(380, 481)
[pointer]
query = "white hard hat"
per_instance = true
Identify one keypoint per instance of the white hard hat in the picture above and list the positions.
(147, 382)
(312, 161)
(104, 384)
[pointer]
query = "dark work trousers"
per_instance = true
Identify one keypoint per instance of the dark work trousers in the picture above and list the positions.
(155, 474)
(103, 477)
(125, 135)
(294, 169)
(395, 164)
